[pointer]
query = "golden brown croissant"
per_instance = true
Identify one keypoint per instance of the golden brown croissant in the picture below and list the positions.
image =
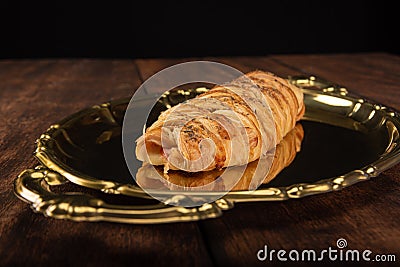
(150, 177)
(242, 122)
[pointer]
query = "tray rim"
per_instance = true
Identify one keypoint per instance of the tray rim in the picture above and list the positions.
(51, 165)
(45, 156)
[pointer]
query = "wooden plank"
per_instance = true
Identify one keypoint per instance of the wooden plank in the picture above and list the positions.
(35, 94)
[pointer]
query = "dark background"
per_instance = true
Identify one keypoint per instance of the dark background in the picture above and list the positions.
(146, 28)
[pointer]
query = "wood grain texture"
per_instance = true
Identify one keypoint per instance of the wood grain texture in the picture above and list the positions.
(33, 95)
(37, 93)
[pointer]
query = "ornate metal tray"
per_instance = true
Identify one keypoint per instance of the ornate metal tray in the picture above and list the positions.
(347, 139)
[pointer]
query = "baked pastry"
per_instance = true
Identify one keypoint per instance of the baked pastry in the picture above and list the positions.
(239, 121)
(153, 177)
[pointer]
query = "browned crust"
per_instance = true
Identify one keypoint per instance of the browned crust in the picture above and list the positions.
(287, 108)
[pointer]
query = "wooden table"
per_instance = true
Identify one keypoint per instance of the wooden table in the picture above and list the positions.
(36, 93)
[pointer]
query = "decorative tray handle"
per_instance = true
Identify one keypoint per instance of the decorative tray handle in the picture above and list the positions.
(33, 186)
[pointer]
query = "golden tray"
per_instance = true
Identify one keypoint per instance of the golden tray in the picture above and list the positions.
(347, 140)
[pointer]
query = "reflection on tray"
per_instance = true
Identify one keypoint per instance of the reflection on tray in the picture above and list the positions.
(153, 177)
(342, 145)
